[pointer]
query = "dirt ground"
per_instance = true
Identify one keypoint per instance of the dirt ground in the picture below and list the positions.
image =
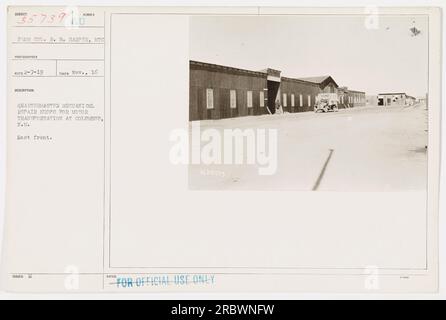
(360, 149)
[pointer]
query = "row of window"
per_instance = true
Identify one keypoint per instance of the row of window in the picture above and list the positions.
(293, 102)
(233, 99)
(351, 99)
(249, 104)
(356, 99)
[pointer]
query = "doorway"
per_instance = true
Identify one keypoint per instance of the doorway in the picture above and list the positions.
(273, 89)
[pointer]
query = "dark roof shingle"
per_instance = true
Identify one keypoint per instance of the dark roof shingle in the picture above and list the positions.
(317, 80)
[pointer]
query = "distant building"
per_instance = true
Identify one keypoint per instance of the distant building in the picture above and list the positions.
(356, 98)
(395, 99)
(410, 101)
(218, 92)
(422, 100)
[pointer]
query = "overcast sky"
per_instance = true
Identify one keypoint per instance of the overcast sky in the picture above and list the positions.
(387, 59)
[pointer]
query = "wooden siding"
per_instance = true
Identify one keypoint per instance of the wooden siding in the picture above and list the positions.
(222, 82)
(291, 86)
(358, 98)
(351, 98)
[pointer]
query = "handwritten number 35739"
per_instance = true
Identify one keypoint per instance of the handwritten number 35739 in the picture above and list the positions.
(42, 18)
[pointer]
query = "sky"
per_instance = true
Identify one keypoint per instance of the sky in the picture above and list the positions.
(386, 58)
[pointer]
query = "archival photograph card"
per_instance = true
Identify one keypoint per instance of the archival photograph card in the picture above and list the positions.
(222, 149)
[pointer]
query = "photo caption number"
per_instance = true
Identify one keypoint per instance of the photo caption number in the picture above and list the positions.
(223, 310)
(244, 309)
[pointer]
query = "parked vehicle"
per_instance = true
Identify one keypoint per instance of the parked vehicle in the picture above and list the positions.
(326, 102)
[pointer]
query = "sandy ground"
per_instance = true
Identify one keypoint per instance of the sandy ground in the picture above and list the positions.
(373, 149)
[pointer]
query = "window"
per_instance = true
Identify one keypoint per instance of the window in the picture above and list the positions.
(309, 100)
(342, 99)
(233, 99)
(284, 99)
(262, 98)
(249, 99)
(292, 100)
(210, 98)
(301, 100)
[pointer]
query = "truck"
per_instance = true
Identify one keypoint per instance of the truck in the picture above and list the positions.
(326, 102)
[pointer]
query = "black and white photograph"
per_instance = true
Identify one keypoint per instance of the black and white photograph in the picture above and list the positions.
(222, 152)
(309, 102)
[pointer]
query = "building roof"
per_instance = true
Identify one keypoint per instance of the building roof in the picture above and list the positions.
(321, 80)
(389, 93)
(299, 81)
(355, 91)
(317, 80)
(272, 72)
(212, 66)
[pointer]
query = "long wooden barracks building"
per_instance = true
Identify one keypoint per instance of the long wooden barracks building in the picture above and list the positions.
(218, 92)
